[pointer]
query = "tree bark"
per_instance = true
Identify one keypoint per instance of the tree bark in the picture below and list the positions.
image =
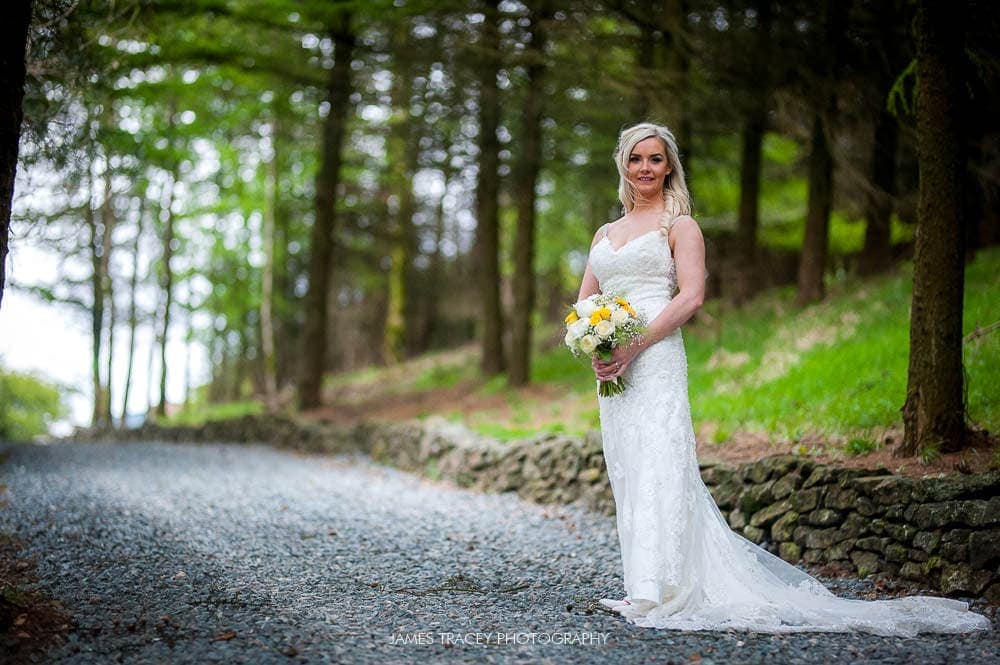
(269, 369)
(108, 221)
(12, 54)
(167, 288)
(934, 411)
(751, 157)
(436, 271)
(314, 336)
(812, 264)
(529, 165)
(151, 359)
(876, 256)
(678, 68)
(189, 336)
(487, 192)
(133, 317)
(402, 163)
(645, 97)
(95, 242)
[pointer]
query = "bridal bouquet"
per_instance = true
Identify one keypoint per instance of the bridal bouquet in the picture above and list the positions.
(598, 324)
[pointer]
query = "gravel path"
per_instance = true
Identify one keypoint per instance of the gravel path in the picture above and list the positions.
(225, 553)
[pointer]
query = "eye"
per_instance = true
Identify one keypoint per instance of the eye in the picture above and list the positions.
(633, 158)
(657, 159)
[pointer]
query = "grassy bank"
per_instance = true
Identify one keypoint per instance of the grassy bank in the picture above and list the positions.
(836, 369)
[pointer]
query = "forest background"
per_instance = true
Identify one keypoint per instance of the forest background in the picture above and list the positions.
(381, 209)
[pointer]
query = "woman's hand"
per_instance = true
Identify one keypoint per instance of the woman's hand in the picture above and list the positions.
(621, 357)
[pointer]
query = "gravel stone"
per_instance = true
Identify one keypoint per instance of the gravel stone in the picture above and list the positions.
(175, 553)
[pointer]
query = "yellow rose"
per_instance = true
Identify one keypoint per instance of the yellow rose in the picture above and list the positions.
(595, 318)
(622, 302)
(571, 317)
(604, 312)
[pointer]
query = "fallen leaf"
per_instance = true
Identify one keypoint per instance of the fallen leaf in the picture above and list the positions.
(227, 635)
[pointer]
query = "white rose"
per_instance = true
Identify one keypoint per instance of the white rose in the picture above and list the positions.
(604, 329)
(569, 339)
(619, 316)
(578, 328)
(589, 343)
(585, 308)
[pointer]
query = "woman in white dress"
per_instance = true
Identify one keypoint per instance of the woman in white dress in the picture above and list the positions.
(684, 568)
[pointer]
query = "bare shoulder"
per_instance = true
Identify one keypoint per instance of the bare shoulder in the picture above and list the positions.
(598, 234)
(686, 222)
(685, 229)
(602, 231)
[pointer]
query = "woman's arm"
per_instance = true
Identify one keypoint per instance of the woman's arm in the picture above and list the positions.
(689, 261)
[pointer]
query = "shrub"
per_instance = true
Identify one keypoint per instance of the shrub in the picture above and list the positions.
(28, 406)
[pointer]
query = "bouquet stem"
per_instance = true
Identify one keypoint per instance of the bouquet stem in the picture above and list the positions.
(611, 388)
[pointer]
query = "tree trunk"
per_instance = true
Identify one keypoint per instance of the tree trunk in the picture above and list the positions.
(748, 278)
(95, 242)
(487, 192)
(812, 263)
(188, 342)
(151, 359)
(314, 335)
(529, 165)
(267, 278)
(284, 318)
(934, 412)
(167, 288)
(678, 68)
(645, 96)
(12, 53)
(816, 242)
(108, 222)
(751, 158)
(436, 269)
(876, 256)
(133, 317)
(401, 230)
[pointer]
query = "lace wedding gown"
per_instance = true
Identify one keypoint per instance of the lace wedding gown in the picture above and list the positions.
(684, 567)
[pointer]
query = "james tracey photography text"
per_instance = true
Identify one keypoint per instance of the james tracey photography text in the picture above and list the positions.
(499, 638)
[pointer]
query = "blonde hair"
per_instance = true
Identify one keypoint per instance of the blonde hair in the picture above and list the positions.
(675, 192)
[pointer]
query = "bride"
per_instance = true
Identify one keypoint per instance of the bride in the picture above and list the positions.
(684, 568)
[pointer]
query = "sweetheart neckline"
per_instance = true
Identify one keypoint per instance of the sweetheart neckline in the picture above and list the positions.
(641, 235)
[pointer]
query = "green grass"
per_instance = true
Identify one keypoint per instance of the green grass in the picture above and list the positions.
(444, 376)
(201, 413)
(836, 368)
(853, 377)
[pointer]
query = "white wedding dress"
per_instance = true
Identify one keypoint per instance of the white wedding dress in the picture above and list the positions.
(684, 567)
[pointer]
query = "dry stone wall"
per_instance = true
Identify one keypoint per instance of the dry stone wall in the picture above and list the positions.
(943, 532)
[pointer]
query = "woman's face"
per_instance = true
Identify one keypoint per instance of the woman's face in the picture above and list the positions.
(648, 167)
